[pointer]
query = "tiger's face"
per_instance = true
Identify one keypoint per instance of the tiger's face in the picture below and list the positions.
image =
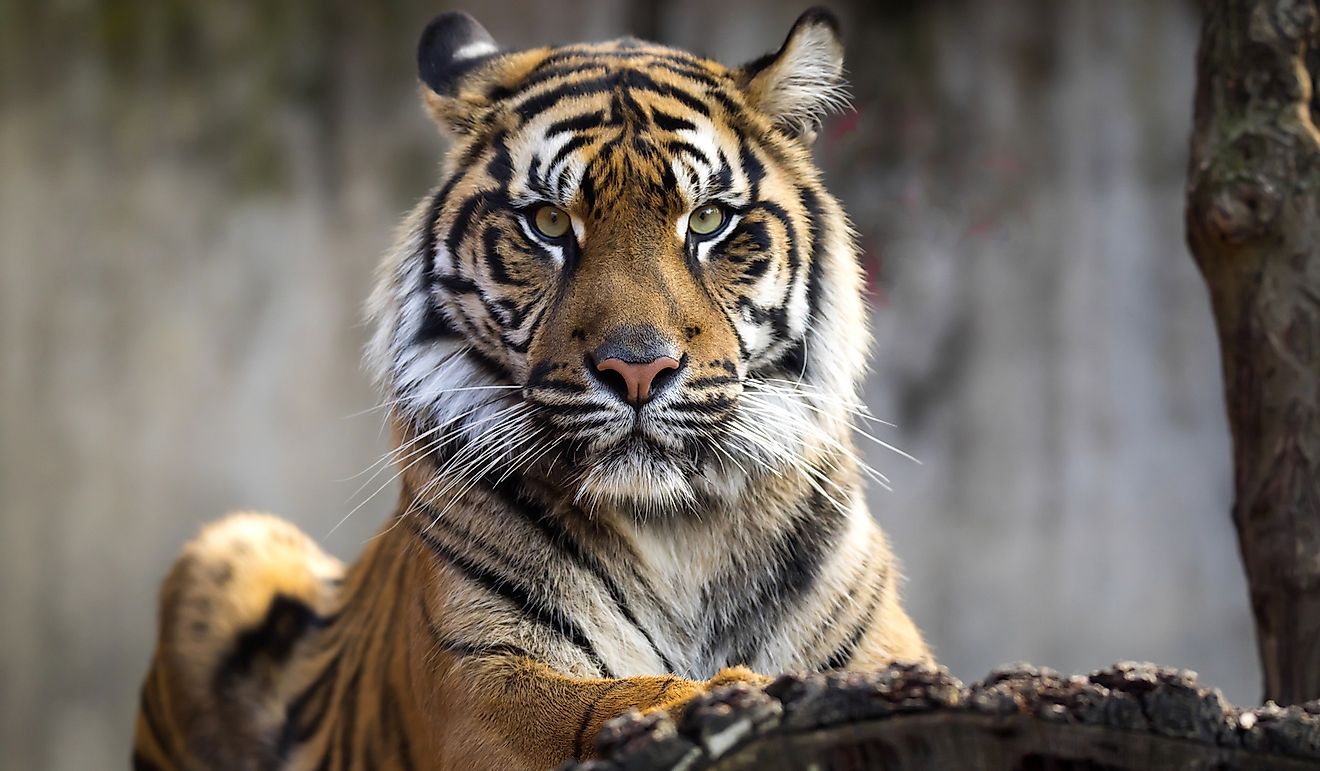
(628, 265)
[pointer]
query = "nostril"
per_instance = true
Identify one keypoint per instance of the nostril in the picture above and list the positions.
(612, 379)
(667, 375)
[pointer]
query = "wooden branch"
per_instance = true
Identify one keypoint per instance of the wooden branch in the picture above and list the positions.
(1253, 225)
(1130, 716)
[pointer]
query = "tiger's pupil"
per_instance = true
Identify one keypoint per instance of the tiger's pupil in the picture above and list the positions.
(551, 221)
(706, 220)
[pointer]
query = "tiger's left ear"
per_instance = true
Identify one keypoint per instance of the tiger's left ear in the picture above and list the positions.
(802, 82)
(460, 67)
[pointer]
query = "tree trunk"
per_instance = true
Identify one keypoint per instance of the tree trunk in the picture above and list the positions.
(1253, 224)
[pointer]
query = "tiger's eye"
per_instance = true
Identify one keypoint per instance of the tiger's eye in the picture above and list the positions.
(706, 219)
(551, 222)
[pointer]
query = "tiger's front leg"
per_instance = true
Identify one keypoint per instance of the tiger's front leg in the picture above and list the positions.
(516, 713)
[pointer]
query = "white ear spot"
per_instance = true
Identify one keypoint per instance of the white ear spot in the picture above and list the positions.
(803, 82)
(475, 49)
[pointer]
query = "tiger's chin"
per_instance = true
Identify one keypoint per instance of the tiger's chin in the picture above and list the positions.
(638, 476)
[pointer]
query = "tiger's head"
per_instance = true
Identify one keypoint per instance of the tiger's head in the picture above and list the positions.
(630, 282)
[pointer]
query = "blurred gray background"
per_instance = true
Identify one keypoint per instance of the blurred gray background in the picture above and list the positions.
(193, 197)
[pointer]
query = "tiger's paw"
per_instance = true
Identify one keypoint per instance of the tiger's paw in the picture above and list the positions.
(680, 696)
(703, 727)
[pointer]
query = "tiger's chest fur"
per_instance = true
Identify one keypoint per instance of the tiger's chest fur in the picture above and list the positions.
(615, 596)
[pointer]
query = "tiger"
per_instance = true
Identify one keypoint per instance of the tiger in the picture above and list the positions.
(619, 346)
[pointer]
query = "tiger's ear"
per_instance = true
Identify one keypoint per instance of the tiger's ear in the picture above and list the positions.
(802, 82)
(460, 66)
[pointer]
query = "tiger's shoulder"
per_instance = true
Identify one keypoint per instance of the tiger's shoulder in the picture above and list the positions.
(234, 609)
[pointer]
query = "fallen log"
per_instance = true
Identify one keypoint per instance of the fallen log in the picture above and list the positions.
(917, 718)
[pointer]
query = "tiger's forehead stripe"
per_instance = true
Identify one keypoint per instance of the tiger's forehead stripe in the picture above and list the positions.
(693, 84)
(696, 162)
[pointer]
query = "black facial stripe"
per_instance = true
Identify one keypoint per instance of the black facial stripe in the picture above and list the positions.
(696, 423)
(583, 122)
(695, 74)
(624, 107)
(794, 360)
(679, 147)
(538, 101)
(666, 122)
(701, 383)
(491, 240)
(533, 105)
(515, 345)
(563, 152)
(754, 270)
(571, 409)
(557, 386)
(460, 288)
(708, 406)
(776, 316)
(690, 172)
(723, 179)
(509, 315)
(541, 314)
(777, 212)
(512, 314)
(581, 426)
(550, 73)
(742, 344)
(751, 166)
(495, 369)
(484, 200)
(587, 189)
(752, 238)
(434, 325)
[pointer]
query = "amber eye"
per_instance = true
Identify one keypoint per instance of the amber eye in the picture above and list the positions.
(705, 220)
(551, 222)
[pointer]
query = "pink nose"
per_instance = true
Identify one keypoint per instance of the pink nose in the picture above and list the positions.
(637, 378)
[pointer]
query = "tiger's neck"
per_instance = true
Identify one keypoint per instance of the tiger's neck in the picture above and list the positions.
(686, 594)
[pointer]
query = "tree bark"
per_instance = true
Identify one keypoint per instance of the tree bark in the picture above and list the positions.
(1253, 225)
(913, 718)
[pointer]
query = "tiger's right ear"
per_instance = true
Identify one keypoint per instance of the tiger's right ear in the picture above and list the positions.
(800, 83)
(460, 67)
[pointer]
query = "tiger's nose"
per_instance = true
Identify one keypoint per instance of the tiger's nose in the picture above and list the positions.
(638, 378)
